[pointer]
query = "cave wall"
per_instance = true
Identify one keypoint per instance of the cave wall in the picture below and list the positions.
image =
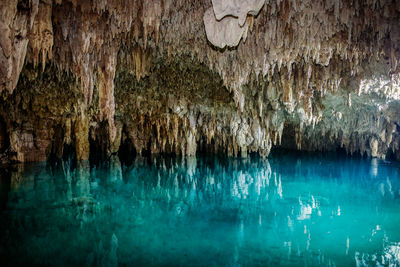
(165, 76)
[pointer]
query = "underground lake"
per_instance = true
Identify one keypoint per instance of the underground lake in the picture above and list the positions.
(200, 133)
(290, 210)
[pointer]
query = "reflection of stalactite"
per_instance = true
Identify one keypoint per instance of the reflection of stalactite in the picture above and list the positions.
(279, 198)
(115, 169)
(83, 179)
(68, 177)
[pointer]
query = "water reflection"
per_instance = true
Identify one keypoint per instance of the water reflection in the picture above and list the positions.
(209, 211)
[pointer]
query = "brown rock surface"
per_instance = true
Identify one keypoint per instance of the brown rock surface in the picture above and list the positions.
(311, 75)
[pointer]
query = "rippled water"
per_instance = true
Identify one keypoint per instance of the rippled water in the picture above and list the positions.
(287, 210)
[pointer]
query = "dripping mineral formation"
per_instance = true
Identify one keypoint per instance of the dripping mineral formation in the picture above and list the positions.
(99, 77)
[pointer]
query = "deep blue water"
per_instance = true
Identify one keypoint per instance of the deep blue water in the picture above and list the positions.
(289, 210)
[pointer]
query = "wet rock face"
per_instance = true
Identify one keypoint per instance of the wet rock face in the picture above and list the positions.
(157, 77)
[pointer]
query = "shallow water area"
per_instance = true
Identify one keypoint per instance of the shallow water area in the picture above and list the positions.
(288, 210)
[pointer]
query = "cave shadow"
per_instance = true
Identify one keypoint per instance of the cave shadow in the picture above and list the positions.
(4, 137)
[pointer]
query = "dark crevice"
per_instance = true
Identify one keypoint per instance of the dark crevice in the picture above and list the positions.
(5, 185)
(98, 143)
(127, 152)
(4, 138)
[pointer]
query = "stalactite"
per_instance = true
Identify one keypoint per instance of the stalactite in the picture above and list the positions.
(81, 132)
(294, 57)
(41, 36)
(106, 74)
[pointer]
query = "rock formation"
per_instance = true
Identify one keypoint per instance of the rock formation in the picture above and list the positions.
(225, 23)
(160, 76)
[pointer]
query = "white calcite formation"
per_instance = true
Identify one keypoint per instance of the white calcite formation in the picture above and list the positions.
(315, 75)
(237, 8)
(226, 22)
(226, 32)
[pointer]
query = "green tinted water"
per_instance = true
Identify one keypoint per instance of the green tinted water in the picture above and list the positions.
(287, 210)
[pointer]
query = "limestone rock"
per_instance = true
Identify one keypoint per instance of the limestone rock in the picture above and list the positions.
(15, 23)
(226, 22)
(149, 77)
(226, 32)
(237, 8)
(82, 138)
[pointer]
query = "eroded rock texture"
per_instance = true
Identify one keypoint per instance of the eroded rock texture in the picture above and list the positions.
(225, 23)
(106, 76)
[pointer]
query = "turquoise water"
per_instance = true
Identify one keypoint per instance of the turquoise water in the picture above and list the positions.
(289, 210)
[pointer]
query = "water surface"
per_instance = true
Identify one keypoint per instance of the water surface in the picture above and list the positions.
(289, 210)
